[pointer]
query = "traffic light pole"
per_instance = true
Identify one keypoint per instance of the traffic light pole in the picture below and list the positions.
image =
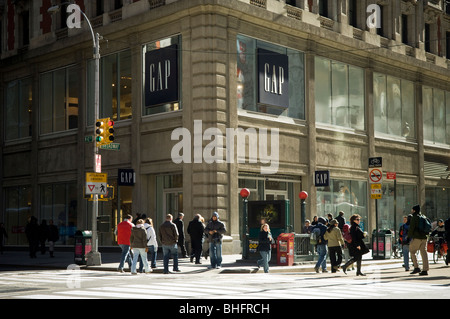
(94, 257)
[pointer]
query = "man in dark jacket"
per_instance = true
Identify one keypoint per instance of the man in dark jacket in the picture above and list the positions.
(168, 235)
(180, 227)
(32, 232)
(418, 242)
(215, 230)
(321, 245)
(196, 230)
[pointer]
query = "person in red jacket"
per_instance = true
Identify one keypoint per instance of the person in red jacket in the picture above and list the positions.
(123, 239)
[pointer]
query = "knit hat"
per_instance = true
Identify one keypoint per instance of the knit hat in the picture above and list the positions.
(216, 214)
(333, 222)
(416, 208)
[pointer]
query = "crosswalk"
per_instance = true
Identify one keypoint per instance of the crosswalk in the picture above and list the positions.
(257, 286)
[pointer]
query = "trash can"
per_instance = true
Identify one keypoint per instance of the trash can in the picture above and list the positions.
(83, 245)
(384, 244)
(285, 249)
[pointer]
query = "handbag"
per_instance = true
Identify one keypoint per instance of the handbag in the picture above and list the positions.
(364, 250)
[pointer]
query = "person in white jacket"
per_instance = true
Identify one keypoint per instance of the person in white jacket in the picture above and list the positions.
(152, 244)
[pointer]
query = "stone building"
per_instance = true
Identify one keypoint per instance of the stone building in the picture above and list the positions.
(312, 85)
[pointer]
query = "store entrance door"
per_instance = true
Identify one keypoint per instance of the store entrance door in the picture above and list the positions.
(173, 203)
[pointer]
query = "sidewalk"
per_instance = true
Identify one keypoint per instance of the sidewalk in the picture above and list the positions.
(110, 262)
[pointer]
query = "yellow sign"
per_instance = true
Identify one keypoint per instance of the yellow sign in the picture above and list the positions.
(96, 177)
(375, 191)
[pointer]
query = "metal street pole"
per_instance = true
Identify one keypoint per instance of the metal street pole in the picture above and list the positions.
(93, 257)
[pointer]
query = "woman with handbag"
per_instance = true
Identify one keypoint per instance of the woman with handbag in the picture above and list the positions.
(357, 248)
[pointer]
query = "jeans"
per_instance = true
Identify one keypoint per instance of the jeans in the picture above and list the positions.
(167, 251)
(153, 252)
(322, 252)
(125, 257)
(405, 250)
(215, 254)
(264, 261)
(136, 253)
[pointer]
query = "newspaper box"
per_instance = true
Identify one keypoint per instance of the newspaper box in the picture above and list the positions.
(285, 249)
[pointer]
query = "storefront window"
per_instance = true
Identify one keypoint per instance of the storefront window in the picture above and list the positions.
(161, 76)
(59, 203)
(344, 195)
(393, 106)
(19, 103)
(388, 216)
(270, 78)
(339, 94)
(436, 115)
(437, 203)
(115, 87)
(59, 98)
(17, 212)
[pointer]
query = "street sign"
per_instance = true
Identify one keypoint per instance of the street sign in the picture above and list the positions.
(96, 183)
(89, 139)
(375, 162)
(375, 191)
(110, 146)
(375, 176)
(391, 175)
(98, 163)
(322, 178)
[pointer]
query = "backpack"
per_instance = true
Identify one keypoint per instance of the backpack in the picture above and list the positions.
(314, 238)
(424, 225)
(347, 236)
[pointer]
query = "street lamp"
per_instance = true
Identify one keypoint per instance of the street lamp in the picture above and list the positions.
(94, 257)
(303, 196)
(245, 193)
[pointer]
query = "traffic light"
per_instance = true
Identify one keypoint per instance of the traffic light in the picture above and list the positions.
(109, 136)
(100, 131)
(104, 132)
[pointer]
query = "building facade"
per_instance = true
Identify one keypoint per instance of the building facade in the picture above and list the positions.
(212, 96)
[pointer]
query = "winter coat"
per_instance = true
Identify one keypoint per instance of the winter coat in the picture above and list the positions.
(151, 236)
(53, 234)
(403, 238)
(334, 237)
(196, 229)
(357, 240)
(413, 232)
(138, 238)
(124, 232)
(168, 233)
(264, 241)
(180, 227)
(219, 227)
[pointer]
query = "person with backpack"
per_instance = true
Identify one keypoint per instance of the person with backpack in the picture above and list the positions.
(404, 240)
(321, 246)
(419, 228)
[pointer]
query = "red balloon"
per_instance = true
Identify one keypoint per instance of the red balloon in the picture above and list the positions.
(245, 193)
(303, 195)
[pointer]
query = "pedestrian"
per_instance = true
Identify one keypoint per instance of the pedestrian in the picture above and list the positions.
(3, 236)
(152, 243)
(321, 246)
(264, 247)
(418, 243)
(43, 235)
(307, 227)
(138, 245)
(196, 230)
(168, 236)
(447, 238)
(205, 245)
(329, 218)
(123, 240)
(404, 240)
(347, 240)
(53, 237)
(215, 231)
(315, 221)
(334, 238)
(32, 233)
(181, 238)
(341, 220)
(357, 248)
